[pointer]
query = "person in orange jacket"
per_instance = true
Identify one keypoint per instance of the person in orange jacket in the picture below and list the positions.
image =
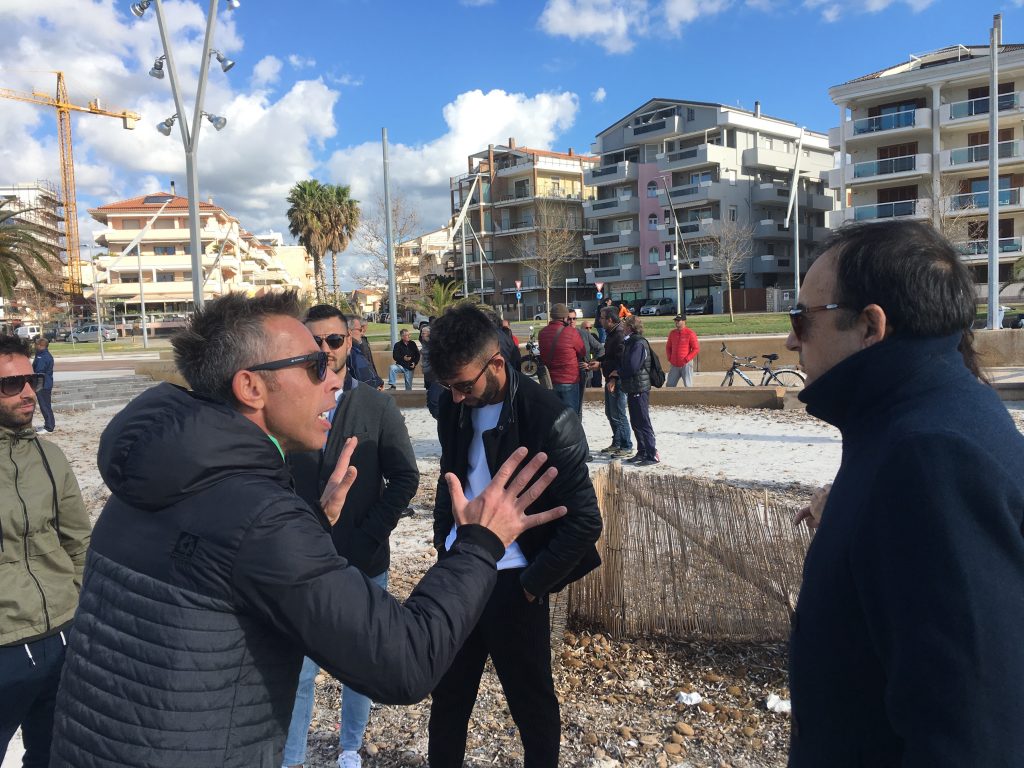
(682, 347)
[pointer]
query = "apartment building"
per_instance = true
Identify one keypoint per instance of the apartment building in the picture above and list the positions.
(160, 272)
(524, 227)
(38, 203)
(700, 164)
(913, 143)
(420, 261)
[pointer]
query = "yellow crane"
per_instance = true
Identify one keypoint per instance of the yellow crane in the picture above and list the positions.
(64, 109)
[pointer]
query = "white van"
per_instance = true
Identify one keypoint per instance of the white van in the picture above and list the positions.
(28, 331)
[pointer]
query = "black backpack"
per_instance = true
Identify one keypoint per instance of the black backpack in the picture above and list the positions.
(655, 372)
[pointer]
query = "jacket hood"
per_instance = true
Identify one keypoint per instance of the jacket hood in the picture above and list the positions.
(169, 444)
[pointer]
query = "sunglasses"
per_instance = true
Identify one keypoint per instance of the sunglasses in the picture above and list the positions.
(319, 359)
(465, 387)
(798, 316)
(13, 385)
(334, 340)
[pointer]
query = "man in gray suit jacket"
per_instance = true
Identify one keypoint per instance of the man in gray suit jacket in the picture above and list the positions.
(387, 480)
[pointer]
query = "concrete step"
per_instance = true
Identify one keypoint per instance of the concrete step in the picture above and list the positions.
(88, 405)
(85, 394)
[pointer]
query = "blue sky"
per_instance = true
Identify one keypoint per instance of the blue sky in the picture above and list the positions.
(315, 81)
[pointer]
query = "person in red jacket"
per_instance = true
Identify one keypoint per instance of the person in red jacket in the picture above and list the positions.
(561, 350)
(682, 347)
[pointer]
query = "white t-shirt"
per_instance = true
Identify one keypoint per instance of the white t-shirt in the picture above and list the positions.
(479, 475)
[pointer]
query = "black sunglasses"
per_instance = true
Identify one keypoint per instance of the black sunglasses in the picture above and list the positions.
(465, 387)
(334, 340)
(798, 316)
(313, 358)
(13, 385)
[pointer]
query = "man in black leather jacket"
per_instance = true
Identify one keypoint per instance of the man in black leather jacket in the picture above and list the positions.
(208, 579)
(490, 411)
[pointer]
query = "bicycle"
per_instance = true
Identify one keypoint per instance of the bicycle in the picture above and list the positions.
(781, 377)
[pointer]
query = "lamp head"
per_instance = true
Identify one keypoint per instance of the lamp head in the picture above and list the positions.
(165, 126)
(216, 121)
(224, 61)
(233, 5)
(139, 8)
(158, 69)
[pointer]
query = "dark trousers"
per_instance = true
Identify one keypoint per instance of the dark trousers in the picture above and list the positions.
(28, 692)
(434, 392)
(640, 418)
(516, 634)
(43, 397)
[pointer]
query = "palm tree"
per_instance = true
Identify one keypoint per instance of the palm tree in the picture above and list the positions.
(23, 248)
(342, 220)
(441, 296)
(307, 221)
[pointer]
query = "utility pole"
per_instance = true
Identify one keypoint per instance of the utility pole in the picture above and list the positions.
(392, 299)
(794, 209)
(995, 41)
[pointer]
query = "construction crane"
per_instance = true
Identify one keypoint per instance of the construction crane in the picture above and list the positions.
(64, 109)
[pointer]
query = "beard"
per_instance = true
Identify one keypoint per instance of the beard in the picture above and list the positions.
(12, 417)
(491, 393)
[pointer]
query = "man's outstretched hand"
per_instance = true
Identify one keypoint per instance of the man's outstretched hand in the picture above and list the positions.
(501, 509)
(340, 483)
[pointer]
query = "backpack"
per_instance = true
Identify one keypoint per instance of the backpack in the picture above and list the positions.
(656, 372)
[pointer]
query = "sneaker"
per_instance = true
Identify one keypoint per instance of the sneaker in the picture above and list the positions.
(621, 453)
(350, 759)
(590, 458)
(648, 462)
(635, 459)
(408, 512)
(610, 449)
(391, 386)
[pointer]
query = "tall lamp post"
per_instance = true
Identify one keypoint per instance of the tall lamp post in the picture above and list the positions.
(567, 281)
(189, 131)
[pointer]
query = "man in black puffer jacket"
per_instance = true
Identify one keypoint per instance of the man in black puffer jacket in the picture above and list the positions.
(208, 579)
(489, 412)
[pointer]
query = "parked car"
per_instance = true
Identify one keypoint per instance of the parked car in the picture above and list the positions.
(541, 316)
(701, 305)
(57, 334)
(28, 331)
(92, 333)
(662, 306)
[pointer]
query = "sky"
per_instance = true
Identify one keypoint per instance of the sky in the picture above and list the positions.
(315, 82)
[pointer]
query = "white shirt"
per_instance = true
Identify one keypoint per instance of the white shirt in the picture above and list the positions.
(479, 475)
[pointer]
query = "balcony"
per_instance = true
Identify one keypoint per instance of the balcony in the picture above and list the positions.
(613, 274)
(611, 241)
(694, 157)
(1009, 200)
(514, 227)
(519, 198)
(516, 169)
(655, 129)
(770, 229)
(971, 250)
(971, 158)
(689, 230)
(883, 126)
(686, 194)
(881, 171)
(911, 209)
(613, 206)
(771, 195)
(610, 174)
(976, 111)
(763, 157)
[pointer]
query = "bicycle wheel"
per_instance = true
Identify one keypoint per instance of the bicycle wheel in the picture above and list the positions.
(787, 377)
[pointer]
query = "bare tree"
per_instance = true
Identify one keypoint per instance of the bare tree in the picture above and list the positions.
(955, 210)
(735, 246)
(555, 243)
(371, 236)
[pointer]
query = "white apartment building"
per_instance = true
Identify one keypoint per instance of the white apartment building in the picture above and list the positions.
(521, 196)
(913, 142)
(38, 203)
(718, 163)
(419, 261)
(160, 272)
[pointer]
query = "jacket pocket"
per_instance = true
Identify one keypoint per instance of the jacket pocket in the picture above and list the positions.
(55, 573)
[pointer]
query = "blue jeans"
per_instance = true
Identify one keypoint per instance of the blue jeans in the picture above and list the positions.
(569, 394)
(355, 709)
(395, 370)
(615, 411)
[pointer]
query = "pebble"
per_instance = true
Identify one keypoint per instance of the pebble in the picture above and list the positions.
(673, 748)
(625, 733)
(684, 728)
(733, 690)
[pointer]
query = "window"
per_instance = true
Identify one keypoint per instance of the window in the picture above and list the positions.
(652, 221)
(690, 115)
(652, 189)
(129, 223)
(165, 277)
(652, 255)
(163, 250)
(732, 213)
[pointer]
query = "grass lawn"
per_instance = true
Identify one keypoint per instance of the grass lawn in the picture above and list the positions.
(66, 348)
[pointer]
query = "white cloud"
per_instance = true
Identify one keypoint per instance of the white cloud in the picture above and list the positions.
(832, 11)
(346, 79)
(476, 3)
(301, 62)
(678, 13)
(599, 95)
(475, 119)
(610, 23)
(266, 72)
(106, 53)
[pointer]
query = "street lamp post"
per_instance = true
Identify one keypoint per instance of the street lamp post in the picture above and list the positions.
(189, 131)
(567, 281)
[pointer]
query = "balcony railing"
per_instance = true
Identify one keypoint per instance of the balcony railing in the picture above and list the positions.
(889, 122)
(886, 210)
(981, 106)
(980, 247)
(1007, 197)
(980, 154)
(885, 167)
